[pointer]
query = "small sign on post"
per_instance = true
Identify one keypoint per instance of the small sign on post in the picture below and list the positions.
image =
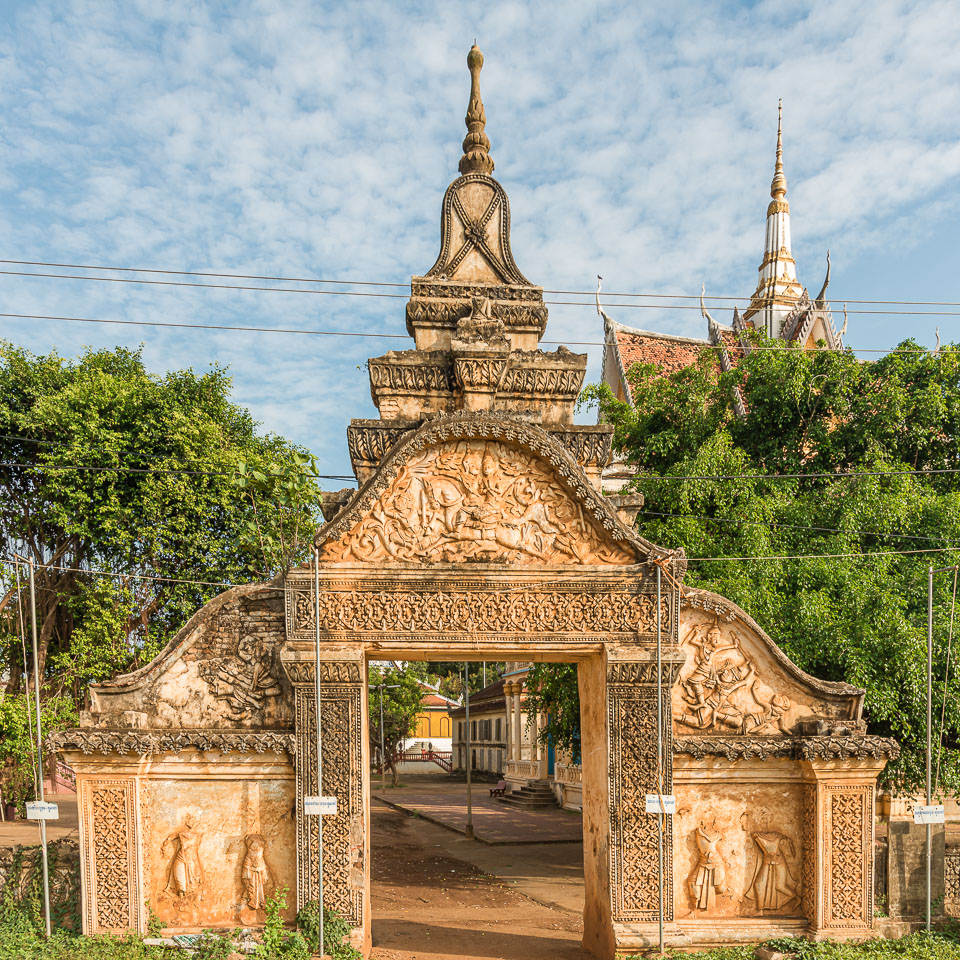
(320, 806)
(661, 803)
(931, 814)
(42, 810)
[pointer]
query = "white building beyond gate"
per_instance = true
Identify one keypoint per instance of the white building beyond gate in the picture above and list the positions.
(478, 532)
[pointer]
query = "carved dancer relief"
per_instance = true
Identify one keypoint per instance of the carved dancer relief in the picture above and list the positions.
(481, 501)
(497, 611)
(254, 873)
(710, 874)
(185, 876)
(245, 681)
(109, 856)
(720, 671)
(774, 885)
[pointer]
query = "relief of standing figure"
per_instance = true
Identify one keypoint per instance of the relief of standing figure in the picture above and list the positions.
(774, 886)
(185, 872)
(254, 873)
(709, 880)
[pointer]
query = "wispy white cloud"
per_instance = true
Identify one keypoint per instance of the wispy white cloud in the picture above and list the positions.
(316, 140)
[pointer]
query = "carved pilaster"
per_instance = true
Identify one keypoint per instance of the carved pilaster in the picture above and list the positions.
(109, 855)
(837, 838)
(633, 773)
(344, 835)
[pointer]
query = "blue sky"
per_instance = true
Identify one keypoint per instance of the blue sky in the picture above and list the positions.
(316, 140)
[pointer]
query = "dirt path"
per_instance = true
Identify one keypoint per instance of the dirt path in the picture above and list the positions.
(431, 903)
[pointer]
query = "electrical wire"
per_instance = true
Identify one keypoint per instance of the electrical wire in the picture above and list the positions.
(132, 576)
(404, 296)
(149, 470)
(403, 336)
(380, 283)
(828, 556)
(799, 526)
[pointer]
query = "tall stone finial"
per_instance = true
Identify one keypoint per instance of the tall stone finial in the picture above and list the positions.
(476, 145)
(778, 188)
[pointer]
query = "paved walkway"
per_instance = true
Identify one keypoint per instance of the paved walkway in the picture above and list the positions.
(26, 833)
(493, 822)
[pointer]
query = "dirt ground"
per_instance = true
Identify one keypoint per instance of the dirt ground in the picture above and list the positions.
(437, 895)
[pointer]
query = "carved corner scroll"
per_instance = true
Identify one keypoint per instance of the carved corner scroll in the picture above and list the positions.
(110, 882)
(633, 773)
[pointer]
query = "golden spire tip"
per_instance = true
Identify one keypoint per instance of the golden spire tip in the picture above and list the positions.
(778, 187)
(476, 146)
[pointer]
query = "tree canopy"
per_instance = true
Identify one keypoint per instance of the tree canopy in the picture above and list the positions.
(120, 485)
(856, 610)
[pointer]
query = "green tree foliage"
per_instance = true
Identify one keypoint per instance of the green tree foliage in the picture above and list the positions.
(859, 619)
(552, 692)
(400, 694)
(214, 500)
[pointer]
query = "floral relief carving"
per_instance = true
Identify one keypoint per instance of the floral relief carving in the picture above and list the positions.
(110, 816)
(476, 500)
(846, 865)
(720, 691)
(496, 611)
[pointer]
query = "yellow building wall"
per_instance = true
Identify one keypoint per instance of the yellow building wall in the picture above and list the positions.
(433, 723)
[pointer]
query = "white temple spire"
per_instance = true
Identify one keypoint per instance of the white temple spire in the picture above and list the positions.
(777, 289)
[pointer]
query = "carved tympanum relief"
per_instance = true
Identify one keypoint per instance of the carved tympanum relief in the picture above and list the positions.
(185, 876)
(709, 879)
(243, 682)
(720, 690)
(774, 888)
(476, 500)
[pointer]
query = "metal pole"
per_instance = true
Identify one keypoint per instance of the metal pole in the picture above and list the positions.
(316, 619)
(383, 749)
(929, 740)
(484, 674)
(26, 676)
(36, 693)
(660, 815)
(466, 685)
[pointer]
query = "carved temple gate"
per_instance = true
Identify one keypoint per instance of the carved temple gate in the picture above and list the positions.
(479, 533)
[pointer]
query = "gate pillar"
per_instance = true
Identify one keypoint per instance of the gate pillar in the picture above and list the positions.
(346, 835)
(838, 841)
(620, 767)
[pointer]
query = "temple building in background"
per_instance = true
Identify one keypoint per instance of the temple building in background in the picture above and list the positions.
(780, 308)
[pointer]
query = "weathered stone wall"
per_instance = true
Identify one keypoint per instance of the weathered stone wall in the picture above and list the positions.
(21, 880)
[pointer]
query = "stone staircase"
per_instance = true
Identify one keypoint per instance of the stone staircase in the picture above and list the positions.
(535, 795)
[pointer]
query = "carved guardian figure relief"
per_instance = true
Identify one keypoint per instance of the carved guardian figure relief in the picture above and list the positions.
(720, 690)
(254, 873)
(481, 501)
(243, 682)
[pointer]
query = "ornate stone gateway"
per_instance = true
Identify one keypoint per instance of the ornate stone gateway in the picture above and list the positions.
(478, 533)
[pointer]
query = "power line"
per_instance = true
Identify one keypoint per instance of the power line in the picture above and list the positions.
(799, 526)
(828, 556)
(380, 283)
(803, 476)
(149, 470)
(403, 336)
(131, 576)
(404, 296)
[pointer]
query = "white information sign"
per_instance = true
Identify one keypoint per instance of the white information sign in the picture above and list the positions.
(669, 803)
(41, 810)
(320, 806)
(931, 814)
